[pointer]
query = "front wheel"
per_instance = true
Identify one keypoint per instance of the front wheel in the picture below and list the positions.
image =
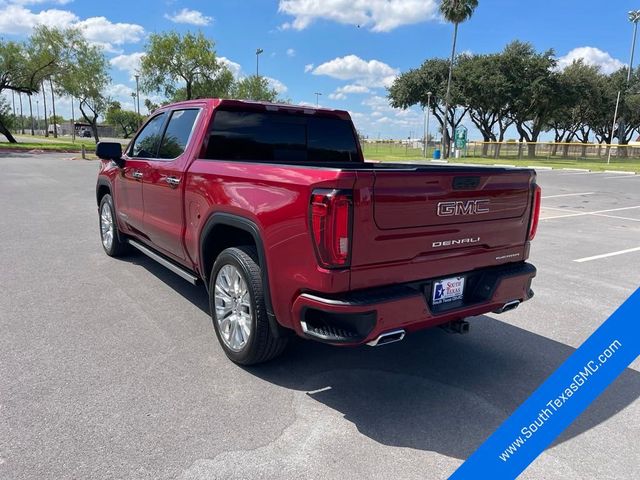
(111, 241)
(238, 308)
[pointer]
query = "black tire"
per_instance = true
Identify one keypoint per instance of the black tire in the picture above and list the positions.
(261, 346)
(117, 247)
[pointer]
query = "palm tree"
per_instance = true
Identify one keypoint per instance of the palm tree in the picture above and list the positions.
(456, 12)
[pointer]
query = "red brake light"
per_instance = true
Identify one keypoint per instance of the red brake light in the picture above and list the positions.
(535, 213)
(330, 216)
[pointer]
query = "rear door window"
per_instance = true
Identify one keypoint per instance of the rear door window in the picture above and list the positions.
(280, 136)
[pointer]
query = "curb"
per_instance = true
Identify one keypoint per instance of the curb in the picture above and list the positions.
(538, 167)
(504, 165)
(577, 169)
(621, 172)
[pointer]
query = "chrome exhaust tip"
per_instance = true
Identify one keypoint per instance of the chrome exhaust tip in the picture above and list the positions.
(512, 305)
(387, 337)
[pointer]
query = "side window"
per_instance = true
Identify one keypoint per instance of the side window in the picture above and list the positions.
(146, 143)
(177, 133)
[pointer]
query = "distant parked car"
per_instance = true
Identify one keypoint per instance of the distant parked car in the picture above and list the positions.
(85, 133)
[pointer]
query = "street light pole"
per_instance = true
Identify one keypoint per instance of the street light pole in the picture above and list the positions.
(634, 17)
(426, 124)
(258, 52)
(318, 98)
(137, 94)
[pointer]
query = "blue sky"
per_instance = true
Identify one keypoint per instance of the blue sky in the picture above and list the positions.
(347, 49)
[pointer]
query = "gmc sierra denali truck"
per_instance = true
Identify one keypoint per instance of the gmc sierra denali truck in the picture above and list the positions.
(274, 209)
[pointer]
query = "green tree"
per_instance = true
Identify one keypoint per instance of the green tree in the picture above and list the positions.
(254, 88)
(575, 104)
(533, 89)
(219, 87)
(456, 12)
(412, 87)
(7, 120)
(127, 121)
(86, 78)
(172, 60)
(150, 106)
(484, 91)
(21, 72)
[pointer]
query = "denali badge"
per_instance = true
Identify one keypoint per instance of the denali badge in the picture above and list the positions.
(449, 243)
(462, 207)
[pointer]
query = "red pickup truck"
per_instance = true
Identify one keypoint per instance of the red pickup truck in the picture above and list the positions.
(274, 209)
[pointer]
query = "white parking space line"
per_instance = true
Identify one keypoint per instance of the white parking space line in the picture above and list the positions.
(605, 255)
(568, 195)
(586, 213)
(616, 216)
(621, 177)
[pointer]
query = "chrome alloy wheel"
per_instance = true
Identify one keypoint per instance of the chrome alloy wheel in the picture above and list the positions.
(106, 226)
(233, 307)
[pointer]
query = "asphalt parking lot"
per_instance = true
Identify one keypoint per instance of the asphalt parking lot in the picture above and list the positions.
(111, 369)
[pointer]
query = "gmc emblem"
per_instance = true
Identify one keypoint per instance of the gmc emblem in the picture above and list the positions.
(462, 207)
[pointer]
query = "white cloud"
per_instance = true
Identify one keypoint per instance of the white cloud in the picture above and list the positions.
(291, 52)
(101, 31)
(118, 91)
(308, 67)
(233, 67)
(277, 85)
(378, 15)
(591, 56)
(341, 92)
(128, 63)
(372, 73)
(191, 17)
(17, 20)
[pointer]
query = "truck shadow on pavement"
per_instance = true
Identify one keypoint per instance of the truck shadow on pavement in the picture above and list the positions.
(434, 391)
(438, 391)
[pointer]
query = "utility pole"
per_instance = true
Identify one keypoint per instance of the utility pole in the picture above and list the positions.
(318, 98)
(31, 115)
(137, 95)
(37, 114)
(426, 123)
(634, 17)
(21, 115)
(258, 52)
(53, 105)
(73, 121)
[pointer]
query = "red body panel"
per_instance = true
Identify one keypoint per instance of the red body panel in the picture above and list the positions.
(395, 230)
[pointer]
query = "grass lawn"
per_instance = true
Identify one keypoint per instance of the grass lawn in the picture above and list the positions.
(389, 153)
(61, 146)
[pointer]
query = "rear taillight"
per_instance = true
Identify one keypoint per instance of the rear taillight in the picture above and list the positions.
(330, 217)
(535, 212)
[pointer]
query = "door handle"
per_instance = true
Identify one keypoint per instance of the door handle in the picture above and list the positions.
(137, 175)
(173, 181)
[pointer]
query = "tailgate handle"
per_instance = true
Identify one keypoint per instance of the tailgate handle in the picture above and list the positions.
(466, 183)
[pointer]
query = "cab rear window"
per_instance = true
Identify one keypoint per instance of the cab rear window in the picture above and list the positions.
(280, 136)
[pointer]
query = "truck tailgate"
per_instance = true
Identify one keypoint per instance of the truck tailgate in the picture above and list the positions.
(424, 223)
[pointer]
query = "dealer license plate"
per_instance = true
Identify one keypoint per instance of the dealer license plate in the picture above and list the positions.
(447, 290)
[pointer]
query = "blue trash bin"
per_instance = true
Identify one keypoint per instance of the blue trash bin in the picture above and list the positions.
(436, 154)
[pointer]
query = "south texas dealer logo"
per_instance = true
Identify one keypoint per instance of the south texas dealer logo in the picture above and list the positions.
(462, 207)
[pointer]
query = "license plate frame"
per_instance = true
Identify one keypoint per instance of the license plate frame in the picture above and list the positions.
(447, 290)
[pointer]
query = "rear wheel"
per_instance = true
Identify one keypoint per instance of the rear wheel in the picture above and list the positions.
(236, 298)
(111, 242)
